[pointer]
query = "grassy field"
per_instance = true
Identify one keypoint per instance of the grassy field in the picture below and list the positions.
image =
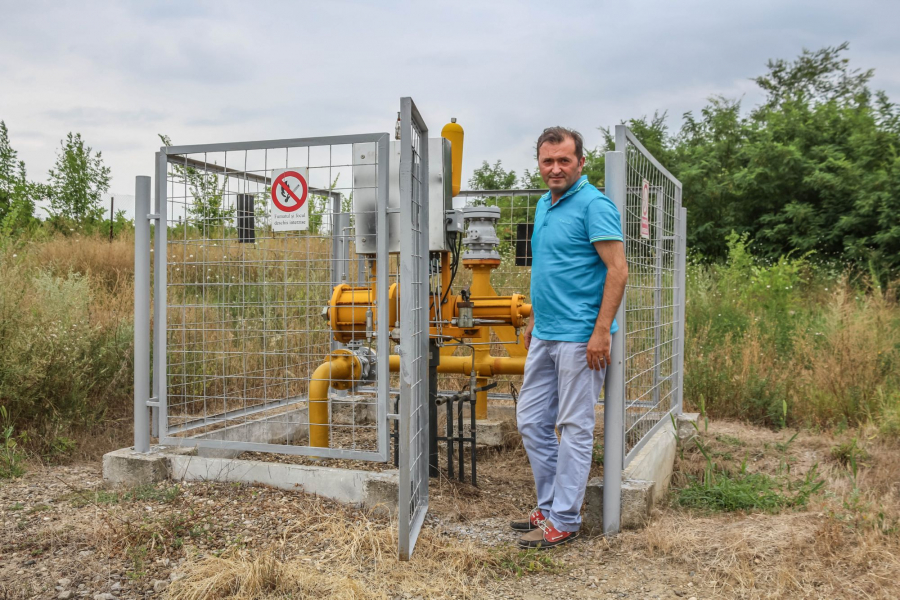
(781, 344)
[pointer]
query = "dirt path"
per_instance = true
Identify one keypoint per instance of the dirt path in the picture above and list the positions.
(64, 536)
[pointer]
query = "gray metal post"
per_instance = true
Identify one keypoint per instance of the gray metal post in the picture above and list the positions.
(141, 313)
(682, 297)
(159, 295)
(614, 405)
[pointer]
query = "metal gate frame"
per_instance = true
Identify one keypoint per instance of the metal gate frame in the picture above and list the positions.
(614, 441)
(156, 397)
(414, 327)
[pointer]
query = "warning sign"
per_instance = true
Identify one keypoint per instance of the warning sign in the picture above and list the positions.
(645, 210)
(290, 211)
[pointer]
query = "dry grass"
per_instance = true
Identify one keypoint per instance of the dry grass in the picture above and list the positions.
(846, 544)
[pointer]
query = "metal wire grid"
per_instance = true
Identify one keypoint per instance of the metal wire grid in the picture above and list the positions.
(244, 320)
(652, 316)
(415, 288)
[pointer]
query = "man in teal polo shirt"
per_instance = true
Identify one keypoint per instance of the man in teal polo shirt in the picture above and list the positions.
(578, 276)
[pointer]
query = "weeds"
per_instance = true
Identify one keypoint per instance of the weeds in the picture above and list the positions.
(11, 458)
(523, 562)
(784, 344)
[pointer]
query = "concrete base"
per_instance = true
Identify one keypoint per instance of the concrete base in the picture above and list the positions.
(655, 461)
(126, 467)
(363, 488)
(492, 434)
(273, 429)
(644, 483)
(637, 502)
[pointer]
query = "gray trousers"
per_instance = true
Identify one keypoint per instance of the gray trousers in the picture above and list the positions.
(559, 392)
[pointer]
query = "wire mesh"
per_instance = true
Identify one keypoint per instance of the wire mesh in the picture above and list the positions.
(651, 224)
(415, 286)
(246, 341)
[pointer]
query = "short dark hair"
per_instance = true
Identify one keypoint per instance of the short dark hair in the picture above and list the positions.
(556, 135)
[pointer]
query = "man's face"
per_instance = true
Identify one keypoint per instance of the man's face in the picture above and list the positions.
(559, 166)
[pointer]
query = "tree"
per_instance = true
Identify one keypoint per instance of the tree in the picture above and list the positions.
(207, 208)
(16, 194)
(78, 180)
(487, 177)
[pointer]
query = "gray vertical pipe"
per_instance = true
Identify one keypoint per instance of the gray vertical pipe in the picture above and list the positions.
(141, 313)
(682, 299)
(159, 296)
(154, 410)
(614, 405)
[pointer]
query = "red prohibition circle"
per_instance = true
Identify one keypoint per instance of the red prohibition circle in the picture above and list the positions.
(280, 182)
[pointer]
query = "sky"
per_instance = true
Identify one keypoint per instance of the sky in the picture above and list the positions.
(203, 72)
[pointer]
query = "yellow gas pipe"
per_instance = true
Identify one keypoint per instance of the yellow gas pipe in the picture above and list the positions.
(339, 371)
(351, 316)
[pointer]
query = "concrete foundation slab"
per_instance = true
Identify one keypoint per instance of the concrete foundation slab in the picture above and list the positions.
(493, 434)
(364, 488)
(644, 483)
(292, 425)
(637, 502)
(125, 467)
(655, 461)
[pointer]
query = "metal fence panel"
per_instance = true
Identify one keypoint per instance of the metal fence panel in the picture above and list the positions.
(239, 301)
(414, 307)
(652, 223)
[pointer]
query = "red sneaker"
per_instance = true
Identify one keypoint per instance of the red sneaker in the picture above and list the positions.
(531, 522)
(546, 536)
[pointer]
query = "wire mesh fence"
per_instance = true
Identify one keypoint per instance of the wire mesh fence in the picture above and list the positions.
(416, 288)
(257, 236)
(652, 224)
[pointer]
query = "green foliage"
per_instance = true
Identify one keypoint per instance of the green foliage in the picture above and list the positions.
(487, 177)
(523, 562)
(16, 193)
(11, 458)
(719, 490)
(58, 367)
(813, 168)
(207, 211)
(78, 180)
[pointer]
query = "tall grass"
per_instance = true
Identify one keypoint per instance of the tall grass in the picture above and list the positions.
(781, 343)
(66, 333)
(785, 343)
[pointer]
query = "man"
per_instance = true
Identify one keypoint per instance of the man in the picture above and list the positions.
(578, 276)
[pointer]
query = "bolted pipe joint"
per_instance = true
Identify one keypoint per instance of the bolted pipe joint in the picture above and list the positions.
(481, 236)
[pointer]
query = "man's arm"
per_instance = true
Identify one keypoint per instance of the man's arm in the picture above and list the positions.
(528, 329)
(612, 253)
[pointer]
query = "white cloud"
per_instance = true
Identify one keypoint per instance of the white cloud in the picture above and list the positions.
(120, 73)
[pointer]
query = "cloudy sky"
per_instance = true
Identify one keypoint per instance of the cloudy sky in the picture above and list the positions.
(122, 72)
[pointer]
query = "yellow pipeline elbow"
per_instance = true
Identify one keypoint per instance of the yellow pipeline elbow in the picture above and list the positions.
(340, 370)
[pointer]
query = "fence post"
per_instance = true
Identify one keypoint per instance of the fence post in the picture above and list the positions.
(141, 313)
(682, 297)
(160, 415)
(614, 404)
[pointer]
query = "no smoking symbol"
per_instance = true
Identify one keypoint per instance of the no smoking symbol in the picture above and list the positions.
(285, 189)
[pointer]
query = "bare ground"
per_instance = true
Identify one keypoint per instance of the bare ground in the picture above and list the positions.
(62, 531)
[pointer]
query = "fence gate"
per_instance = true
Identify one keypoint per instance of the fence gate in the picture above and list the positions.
(414, 332)
(253, 237)
(645, 380)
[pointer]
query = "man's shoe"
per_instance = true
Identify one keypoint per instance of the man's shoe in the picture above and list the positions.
(529, 523)
(547, 536)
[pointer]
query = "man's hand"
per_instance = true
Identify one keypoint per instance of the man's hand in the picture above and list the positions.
(528, 330)
(598, 350)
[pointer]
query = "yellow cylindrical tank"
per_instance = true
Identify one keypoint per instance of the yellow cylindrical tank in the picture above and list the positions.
(453, 131)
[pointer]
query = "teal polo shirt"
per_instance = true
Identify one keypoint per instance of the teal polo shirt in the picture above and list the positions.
(567, 275)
